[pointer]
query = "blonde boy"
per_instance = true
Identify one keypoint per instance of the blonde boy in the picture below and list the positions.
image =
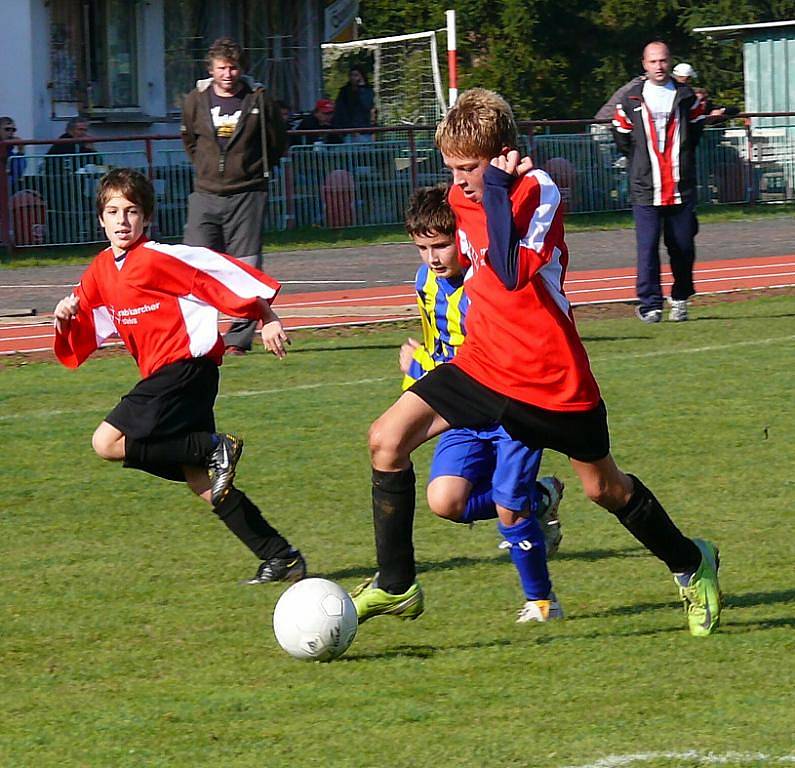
(523, 365)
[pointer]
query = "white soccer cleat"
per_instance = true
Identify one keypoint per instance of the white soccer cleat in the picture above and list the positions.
(547, 515)
(540, 610)
(678, 313)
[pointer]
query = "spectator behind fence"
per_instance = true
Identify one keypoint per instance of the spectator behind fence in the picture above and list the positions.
(234, 134)
(322, 117)
(657, 125)
(355, 105)
(13, 157)
(716, 113)
(77, 129)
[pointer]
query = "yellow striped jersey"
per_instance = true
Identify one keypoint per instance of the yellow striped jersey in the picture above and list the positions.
(443, 307)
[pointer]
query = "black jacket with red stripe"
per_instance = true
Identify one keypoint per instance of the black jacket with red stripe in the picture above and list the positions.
(667, 177)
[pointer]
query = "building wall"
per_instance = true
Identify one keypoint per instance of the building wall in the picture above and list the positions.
(23, 89)
(25, 40)
(769, 69)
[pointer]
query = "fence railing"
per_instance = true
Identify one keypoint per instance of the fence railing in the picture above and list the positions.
(49, 199)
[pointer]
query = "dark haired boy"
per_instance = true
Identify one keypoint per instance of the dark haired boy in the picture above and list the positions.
(476, 474)
(523, 363)
(163, 301)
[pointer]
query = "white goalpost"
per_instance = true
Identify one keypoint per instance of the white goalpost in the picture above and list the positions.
(406, 76)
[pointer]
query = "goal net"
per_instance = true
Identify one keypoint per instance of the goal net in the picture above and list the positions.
(405, 75)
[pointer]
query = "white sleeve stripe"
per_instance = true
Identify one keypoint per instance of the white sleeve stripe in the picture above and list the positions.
(618, 127)
(544, 214)
(201, 324)
(223, 270)
(103, 324)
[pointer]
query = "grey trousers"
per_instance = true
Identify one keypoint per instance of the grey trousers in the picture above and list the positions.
(230, 224)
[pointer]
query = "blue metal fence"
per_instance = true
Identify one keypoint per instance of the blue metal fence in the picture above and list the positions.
(369, 183)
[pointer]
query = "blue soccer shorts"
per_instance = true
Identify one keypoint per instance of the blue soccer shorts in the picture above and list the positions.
(490, 455)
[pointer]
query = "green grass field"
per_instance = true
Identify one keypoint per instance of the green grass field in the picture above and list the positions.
(127, 641)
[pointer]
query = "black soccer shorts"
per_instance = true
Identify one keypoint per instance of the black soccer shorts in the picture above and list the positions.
(464, 402)
(175, 400)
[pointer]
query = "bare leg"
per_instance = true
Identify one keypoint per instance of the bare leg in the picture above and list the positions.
(406, 425)
(108, 442)
(604, 483)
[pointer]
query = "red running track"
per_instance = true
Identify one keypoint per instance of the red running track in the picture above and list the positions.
(358, 306)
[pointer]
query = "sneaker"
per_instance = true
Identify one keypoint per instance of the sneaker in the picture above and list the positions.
(648, 315)
(678, 313)
(290, 569)
(371, 601)
(221, 466)
(552, 493)
(701, 594)
(540, 610)
(235, 350)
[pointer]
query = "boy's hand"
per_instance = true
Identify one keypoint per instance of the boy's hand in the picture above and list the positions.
(512, 164)
(407, 353)
(274, 337)
(65, 311)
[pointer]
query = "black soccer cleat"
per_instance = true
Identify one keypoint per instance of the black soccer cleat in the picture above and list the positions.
(289, 569)
(221, 466)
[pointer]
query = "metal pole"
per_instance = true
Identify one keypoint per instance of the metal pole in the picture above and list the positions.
(452, 60)
(413, 155)
(5, 207)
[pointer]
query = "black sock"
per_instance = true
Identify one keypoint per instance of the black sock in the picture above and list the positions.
(241, 516)
(645, 518)
(192, 449)
(393, 520)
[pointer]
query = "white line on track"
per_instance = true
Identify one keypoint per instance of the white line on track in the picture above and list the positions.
(687, 758)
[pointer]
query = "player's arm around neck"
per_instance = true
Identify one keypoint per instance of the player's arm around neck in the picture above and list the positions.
(498, 179)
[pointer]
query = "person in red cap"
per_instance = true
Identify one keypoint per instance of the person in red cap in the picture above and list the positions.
(321, 117)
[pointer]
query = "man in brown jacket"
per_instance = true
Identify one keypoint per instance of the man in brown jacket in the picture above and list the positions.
(234, 134)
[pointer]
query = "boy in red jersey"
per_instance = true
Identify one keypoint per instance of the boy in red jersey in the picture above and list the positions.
(163, 301)
(522, 365)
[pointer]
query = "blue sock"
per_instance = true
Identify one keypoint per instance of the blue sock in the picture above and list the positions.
(529, 556)
(480, 505)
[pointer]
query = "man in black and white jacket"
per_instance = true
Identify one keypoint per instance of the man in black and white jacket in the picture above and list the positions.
(657, 125)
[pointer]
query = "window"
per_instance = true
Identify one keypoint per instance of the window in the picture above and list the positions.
(94, 53)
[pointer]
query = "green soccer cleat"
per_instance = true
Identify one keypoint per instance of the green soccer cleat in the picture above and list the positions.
(702, 596)
(371, 601)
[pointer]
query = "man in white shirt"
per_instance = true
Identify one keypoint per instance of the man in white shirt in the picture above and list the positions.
(657, 125)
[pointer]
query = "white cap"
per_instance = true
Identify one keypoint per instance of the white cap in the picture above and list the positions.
(684, 70)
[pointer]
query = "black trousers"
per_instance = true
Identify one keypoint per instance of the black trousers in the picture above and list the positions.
(677, 224)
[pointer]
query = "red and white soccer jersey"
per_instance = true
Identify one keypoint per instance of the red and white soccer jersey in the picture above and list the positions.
(163, 300)
(523, 343)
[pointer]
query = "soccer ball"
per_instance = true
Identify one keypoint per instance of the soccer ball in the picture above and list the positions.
(315, 620)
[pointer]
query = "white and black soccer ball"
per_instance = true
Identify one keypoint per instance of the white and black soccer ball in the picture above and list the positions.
(315, 620)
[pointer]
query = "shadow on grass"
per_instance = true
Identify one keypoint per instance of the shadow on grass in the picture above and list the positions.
(724, 318)
(594, 339)
(453, 563)
(422, 651)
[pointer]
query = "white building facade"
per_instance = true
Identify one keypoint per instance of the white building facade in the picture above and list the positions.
(126, 64)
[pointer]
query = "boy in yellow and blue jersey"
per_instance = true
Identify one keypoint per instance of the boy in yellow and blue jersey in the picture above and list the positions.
(477, 474)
